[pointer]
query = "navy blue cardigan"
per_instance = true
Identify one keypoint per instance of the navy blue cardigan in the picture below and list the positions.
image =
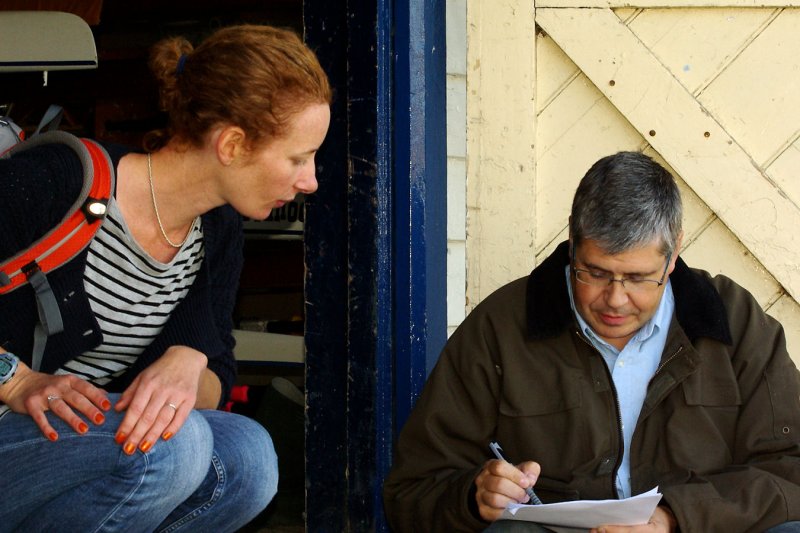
(37, 187)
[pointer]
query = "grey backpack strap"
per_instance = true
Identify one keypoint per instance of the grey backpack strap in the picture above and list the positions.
(39, 343)
(50, 321)
(50, 120)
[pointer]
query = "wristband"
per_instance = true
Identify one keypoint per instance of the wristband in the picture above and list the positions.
(8, 367)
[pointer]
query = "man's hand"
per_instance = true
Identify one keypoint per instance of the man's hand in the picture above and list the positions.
(500, 483)
(662, 521)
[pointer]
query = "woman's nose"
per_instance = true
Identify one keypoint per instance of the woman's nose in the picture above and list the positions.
(308, 181)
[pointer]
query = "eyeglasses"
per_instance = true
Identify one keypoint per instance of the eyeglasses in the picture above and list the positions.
(597, 278)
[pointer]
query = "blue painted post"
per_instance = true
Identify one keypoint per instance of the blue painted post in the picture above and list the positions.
(370, 255)
(326, 289)
(420, 197)
(375, 248)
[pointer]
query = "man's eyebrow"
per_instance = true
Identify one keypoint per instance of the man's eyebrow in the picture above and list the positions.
(591, 266)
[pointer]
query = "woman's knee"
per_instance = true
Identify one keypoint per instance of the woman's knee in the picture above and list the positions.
(266, 461)
(248, 456)
(184, 459)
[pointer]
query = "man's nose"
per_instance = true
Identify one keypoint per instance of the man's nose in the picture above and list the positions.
(616, 295)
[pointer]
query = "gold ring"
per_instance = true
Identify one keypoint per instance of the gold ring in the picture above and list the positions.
(173, 406)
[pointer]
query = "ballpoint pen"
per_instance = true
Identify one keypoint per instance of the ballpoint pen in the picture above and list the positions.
(496, 450)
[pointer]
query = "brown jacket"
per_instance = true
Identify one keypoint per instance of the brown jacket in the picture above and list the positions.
(719, 431)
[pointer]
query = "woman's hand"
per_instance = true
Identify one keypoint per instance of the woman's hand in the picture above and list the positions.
(160, 398)
(662, 521)
(500, 483)
(33, 393)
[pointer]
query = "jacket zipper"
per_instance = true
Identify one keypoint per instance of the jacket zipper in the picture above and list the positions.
(665, 363)
(621, 438)
(620, 451)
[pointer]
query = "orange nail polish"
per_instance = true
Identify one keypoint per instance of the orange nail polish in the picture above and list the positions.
(167, 435)
(129, 448)
(144, 446)
(53, 436)
(106, 405)
(120, 437)
(99, 418)
(82, 427)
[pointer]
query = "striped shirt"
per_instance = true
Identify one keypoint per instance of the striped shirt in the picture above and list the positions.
(131, 294)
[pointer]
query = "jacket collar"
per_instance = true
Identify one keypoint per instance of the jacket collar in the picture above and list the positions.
(698, 307)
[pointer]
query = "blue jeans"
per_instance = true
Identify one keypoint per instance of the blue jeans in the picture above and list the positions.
(216, 474)
(786, 527)
(515, 526)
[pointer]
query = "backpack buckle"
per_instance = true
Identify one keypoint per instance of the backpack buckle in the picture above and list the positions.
(94, 208)
(30, 269)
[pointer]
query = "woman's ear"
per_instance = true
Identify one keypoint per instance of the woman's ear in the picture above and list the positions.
(230, 144)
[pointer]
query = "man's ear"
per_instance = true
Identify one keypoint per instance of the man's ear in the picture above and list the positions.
(230, 144)
(675, 253)
(569, 237)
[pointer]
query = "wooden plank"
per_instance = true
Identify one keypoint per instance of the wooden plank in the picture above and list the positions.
(663, 3)
(717, 251)
(757, 98)
(575, 130)
(501, 66)
(784, 171)
(579, 115)
(696, 214)
(697, 44)
(554, 71)
(684, 133)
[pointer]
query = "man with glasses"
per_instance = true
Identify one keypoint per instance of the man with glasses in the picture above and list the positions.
(612, 369)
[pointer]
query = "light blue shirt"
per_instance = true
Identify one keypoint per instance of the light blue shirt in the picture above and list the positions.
(631, 369)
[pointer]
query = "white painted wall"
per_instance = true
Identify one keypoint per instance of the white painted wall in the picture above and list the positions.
(456, 161)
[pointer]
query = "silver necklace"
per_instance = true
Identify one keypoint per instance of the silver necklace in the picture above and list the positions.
(155, 208)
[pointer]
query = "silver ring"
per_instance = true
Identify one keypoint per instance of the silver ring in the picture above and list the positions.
(51, 397)
(173, 406)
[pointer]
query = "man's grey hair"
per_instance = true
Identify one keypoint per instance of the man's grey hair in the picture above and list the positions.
(626, 201)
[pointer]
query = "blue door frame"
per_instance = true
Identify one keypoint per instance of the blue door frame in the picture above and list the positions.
(375, 248)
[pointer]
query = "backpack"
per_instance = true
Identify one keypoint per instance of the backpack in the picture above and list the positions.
(63, 242)
(11, 134)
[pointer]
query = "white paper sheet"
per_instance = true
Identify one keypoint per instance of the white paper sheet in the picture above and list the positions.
(588, 513)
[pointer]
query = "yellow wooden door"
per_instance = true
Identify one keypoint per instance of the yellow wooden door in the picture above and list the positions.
(709, 88)
(711, 92)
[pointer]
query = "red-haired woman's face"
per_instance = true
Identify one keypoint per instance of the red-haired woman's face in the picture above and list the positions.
(284, 167)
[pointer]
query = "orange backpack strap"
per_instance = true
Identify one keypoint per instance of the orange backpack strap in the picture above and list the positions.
(66, 240)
